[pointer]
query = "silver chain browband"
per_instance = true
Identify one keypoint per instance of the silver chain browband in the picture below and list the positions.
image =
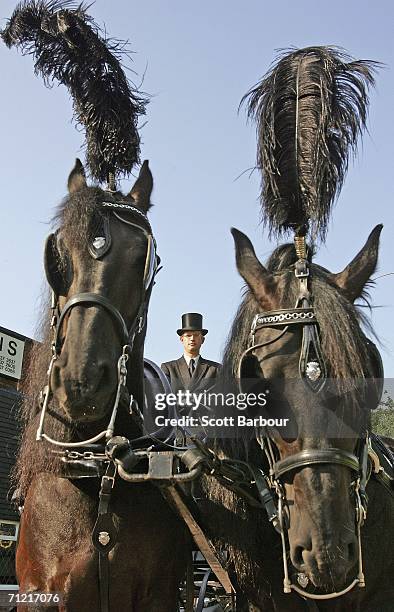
(306, 315)
(133, 209)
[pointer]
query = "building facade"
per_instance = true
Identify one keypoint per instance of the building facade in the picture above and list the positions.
(14, 356)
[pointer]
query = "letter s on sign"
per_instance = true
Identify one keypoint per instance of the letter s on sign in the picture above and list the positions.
(12, 346)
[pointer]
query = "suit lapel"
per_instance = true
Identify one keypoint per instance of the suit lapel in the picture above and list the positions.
(199, 372)
(183, 372)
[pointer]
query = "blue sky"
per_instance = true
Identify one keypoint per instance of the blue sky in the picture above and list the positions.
(198, 58)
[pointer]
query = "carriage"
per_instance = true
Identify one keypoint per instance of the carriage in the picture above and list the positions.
(262, 521)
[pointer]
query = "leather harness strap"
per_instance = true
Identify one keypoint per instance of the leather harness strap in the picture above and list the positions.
(203, 589)
(104, 534)
(285, 316)
(92, 299)
(173, 495)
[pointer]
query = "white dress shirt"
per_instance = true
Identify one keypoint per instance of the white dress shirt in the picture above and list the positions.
(187, 359)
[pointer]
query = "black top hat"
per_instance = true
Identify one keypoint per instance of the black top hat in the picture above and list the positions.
(191, 321)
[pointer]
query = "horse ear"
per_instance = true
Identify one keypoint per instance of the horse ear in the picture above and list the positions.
(142, 189)
(77, 179)
(51, 263)
(260, 281)
(353, 278)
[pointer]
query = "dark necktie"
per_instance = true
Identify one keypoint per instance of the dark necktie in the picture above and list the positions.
(192, 367)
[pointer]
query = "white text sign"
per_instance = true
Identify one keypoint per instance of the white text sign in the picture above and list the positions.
(11, 355)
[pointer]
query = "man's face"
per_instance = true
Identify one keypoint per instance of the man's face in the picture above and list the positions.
(192, 342)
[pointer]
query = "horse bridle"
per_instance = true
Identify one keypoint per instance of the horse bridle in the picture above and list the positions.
(98, 248)
(313, 372)
(312, 366)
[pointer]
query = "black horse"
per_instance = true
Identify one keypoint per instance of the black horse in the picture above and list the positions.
(318, 486)
(298, 335)
(55, 551)
(322, 532)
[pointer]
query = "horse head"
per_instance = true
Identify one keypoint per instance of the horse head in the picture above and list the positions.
(316, 465)
(100, 264)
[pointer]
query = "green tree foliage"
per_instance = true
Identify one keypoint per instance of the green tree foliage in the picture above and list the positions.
(382, 418)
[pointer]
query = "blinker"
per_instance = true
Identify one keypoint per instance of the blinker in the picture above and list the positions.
(101, 244)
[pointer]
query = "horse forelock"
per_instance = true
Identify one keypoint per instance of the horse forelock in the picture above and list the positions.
(77, 217)
(74, 215)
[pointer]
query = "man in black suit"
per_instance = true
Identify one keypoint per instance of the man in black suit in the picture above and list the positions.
(191, 371)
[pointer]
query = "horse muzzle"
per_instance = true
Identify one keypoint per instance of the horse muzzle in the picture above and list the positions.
(86, 394)
(326, 566)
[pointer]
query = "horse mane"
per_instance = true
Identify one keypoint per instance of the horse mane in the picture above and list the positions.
(32, 457)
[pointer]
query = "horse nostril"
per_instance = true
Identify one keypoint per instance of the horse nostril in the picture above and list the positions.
(56, 378)
(297, 558)
(103, 373)
(86, 384)
(352, 552)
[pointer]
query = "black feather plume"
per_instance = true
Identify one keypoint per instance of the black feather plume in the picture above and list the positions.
(310, 110)
(68, 47)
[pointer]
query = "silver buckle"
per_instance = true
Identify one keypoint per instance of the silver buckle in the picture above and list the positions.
(111, 478)
(304, 274)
